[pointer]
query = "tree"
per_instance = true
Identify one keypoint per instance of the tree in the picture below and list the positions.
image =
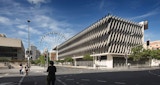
(87, 57)
(158, 54)
(137, 53)
(42, 59)
(68, 59)
(60, 61)
(154, 54)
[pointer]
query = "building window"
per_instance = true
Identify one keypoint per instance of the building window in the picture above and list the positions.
(103, 58)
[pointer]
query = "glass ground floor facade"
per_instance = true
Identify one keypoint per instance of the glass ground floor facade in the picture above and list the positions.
(11, 53)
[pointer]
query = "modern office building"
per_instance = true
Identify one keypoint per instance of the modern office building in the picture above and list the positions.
(108, 41)
(11, 49)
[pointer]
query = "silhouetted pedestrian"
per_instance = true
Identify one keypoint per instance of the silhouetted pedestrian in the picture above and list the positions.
(51, 77)
(26, 69)
(21, 69)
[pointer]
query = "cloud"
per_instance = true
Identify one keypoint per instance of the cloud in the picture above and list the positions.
(22, 33)
(5, 20)
(22, 26)
(32, 30)
(101, 4)
(154, 12)
(49, 23)
(37, 2)
(17, 14)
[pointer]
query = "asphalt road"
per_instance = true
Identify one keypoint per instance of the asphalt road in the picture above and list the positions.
(71, 76)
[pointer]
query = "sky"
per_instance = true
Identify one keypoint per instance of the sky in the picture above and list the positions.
(54, 21)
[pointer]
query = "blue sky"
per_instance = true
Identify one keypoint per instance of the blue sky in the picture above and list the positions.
(68, 17)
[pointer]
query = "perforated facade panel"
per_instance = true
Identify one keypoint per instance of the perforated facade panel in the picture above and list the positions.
(110, 35)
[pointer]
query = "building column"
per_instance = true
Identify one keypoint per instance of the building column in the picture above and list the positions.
(75, 62)
(94, 61)
(109, 61)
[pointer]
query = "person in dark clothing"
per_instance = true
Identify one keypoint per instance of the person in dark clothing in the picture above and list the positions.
(51, 77)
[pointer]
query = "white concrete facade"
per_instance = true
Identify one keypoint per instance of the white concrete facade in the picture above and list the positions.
(109, 37)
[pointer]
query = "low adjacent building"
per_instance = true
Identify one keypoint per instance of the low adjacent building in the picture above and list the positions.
(153, 45)
(52, 56)
(11, 49)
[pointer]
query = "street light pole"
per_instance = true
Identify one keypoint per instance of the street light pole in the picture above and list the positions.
(126, 52)
(57, 52)
(47, 57)
(28, 44)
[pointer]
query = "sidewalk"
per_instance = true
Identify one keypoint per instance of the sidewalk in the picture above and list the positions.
(112, 69)
(9, 71)
(42, 69)
(16, 70)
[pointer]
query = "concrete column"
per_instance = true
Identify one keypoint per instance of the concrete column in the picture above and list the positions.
(75, 62)
(94, 61)
(109, 61)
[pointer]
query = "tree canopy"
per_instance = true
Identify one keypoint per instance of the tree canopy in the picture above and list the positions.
(139, 52)
(68, 59)
(87, 57)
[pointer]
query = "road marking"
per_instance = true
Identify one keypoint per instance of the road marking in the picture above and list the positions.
(119, 83)
(61, 82)
(101, 81)
(85, 79)
(21, 80)
(153, 73)
(69, 79)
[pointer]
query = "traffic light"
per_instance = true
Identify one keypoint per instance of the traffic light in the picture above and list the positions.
(27, 52)
(147, 42)
(30, 52)
(45, 57)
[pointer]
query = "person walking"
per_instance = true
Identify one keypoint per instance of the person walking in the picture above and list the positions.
(51, 77)
(26, 69)
(21, 69)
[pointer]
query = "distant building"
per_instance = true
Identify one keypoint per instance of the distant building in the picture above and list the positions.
(2, 35)
(34, 52)
(11, 49)
(154, 45)
(52, 55)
